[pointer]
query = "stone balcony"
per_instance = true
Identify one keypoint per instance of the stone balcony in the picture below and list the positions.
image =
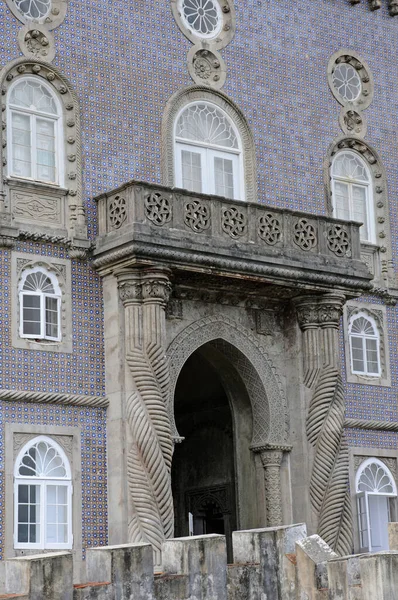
(199, 235)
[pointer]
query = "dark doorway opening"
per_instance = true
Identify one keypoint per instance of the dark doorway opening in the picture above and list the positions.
(203, 473)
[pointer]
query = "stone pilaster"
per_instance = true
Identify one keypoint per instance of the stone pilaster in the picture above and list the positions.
(329, 314)
(144, 294)
(307, 315)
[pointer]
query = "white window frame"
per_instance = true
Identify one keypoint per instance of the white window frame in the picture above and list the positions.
(43, 483)
(57, 295)
(364, 337)
(209, 152)
(368, 186)
(33, 115)
(365, 496)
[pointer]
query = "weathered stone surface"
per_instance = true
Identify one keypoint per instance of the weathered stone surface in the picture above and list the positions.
(203, 559)
(42, 577)
(393, 535)
(312, 554)
(129, 567)
(274, 550)
(344, 577)
(379, 575)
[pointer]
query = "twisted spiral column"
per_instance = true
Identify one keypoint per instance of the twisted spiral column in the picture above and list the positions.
(144, 295)
(325, 425)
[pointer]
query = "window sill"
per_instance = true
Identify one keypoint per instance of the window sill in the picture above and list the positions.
(368, 380)
(32, 184)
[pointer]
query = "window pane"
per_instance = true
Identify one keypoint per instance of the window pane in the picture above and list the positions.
(358, 363)
(28, 514)
(372, 356)
(45, 148)
(52, 317)
(21, 145)
(31, 315)
(57, 514)
(359, 195)
(191, 171)
(341, 200)
(224, 178)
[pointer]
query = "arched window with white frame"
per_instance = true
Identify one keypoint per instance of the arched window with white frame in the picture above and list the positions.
(40, 305)
(352, 194)
(364, 338)
(208, 153)
(42, 496)
(375, 489)
(35, 132)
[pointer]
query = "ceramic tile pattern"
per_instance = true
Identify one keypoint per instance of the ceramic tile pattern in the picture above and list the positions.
(125, 59)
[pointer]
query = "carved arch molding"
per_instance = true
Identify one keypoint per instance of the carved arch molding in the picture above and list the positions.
(251, 361)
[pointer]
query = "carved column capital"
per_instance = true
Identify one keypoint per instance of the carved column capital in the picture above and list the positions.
(330, 310)
(271, 458)
(307, 311)
(156, 286)
(130, 286)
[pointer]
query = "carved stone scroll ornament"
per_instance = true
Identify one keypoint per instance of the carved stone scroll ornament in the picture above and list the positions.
(151, 516)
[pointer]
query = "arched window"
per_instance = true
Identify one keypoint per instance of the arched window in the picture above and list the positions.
(364, 345)
(375, 487)
(35, 137)
(40, 304)
(352, 192)
(208, 155)
(42, 496)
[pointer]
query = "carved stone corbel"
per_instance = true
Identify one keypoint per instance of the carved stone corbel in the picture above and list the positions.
(144, 294)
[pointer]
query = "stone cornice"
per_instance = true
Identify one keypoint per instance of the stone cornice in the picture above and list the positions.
(299, 277)
(52, 398)
(375, 425)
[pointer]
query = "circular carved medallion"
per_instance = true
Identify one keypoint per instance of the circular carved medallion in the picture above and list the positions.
(197, 216)
(157, 208)
(305, 235)
(233, 222)
(269, 229)
(117, 212)
(338, 241)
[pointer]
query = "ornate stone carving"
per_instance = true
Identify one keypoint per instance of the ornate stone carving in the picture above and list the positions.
(117, 212)
(358, 75)
(269, 229)
(224, 29)
(251, 360)
(305, 235)
(48, 19)
(391, 463)
(174, 309)
(37, 42)
(352, 122)
(151, 448)
(339, 241)
(271, 461)
(206, 67)
(36, 208)
(329, 491)
(197, 215)
(233, 222)
(157, 208)
(65, 441)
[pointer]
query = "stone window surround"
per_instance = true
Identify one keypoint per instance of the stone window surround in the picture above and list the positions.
(51, 21)
(377, 256)
(355, 453)
(61, 268)
(59, 128)
(61, 206)
(16, 435)
(224, 36)
(378, 314)
(354, 59)
(173, 108)
(43, 481)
